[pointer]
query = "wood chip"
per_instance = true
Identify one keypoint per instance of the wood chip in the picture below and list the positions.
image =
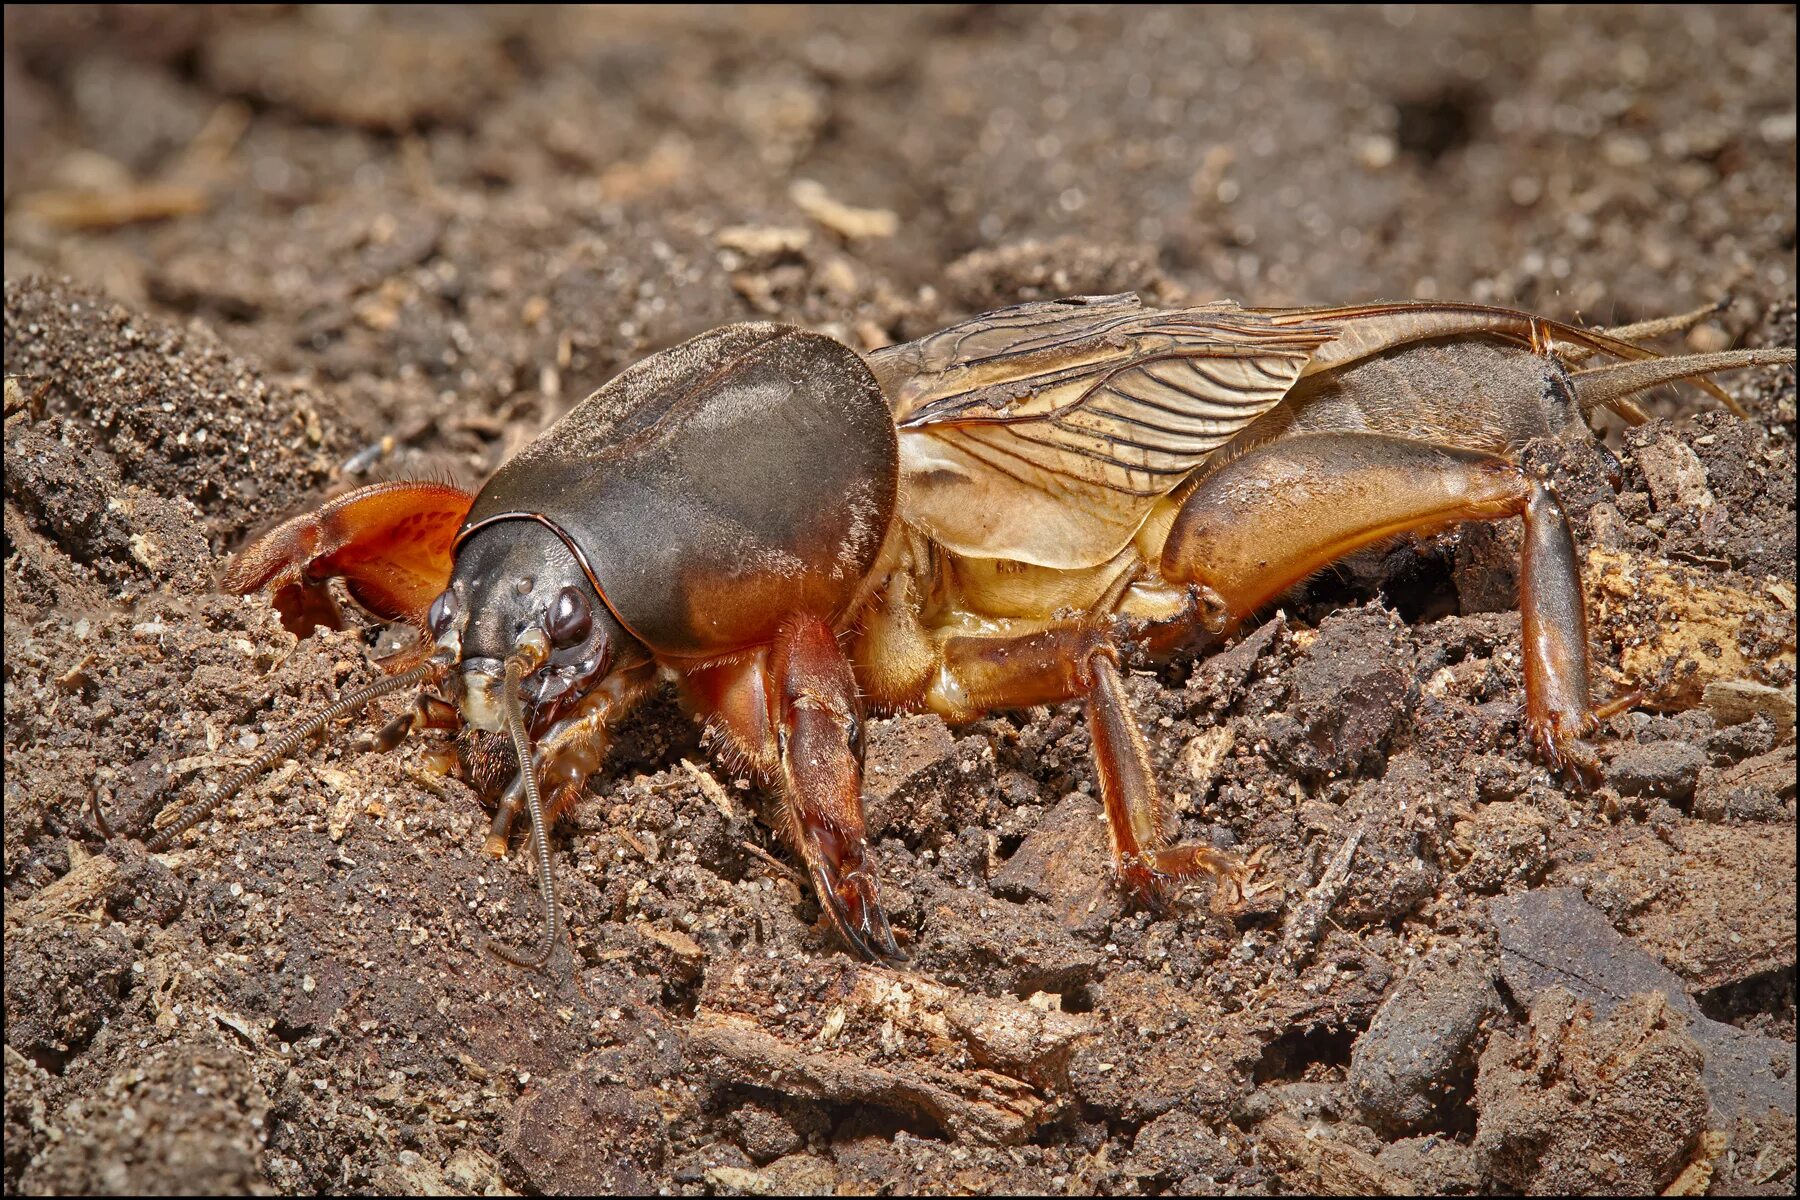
(998, 1074)
(1696, 1177)
(1328, 1167)
(855, 224)
(763, 241)
(82, 209)
(1734, 701)
(673, 940)
(1307, 920)
(711, 788)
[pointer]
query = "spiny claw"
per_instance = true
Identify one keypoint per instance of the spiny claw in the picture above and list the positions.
(1564, 751)
(850, 897)
(1154, 876)
(1144, 884)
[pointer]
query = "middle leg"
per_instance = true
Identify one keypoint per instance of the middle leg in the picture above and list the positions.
(1077, 660)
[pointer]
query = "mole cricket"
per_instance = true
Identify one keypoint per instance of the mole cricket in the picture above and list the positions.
(987, 518)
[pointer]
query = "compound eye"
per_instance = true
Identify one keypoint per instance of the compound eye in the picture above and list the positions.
(570, 620)
(443, 612)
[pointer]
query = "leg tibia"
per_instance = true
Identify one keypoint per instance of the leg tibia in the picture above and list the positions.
(790, 711)
(1065, 662)
(1134, 808)
(1553, 616)
(1134, 813)
(818, 727)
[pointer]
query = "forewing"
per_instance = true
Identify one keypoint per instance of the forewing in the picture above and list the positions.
(1045, 432)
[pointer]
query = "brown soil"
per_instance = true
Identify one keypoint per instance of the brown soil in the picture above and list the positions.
(245, 249)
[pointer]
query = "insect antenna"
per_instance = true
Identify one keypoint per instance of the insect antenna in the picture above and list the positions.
(516, 666)
(286, 746)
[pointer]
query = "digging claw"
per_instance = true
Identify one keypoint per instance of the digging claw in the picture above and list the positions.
(850, 897)
(1145, 885)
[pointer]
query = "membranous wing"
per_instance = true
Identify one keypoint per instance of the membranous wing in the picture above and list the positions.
(1046, 432)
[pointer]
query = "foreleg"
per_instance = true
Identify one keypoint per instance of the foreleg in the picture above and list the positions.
(391, 542)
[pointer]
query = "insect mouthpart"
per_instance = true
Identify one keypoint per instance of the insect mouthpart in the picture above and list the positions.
(562, 655)
(491, 685)
(480, 700)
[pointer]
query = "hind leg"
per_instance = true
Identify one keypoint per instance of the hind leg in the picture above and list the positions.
(1277, 514)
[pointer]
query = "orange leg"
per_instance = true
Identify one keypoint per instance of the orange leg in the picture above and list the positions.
(980, 674)
(392, 542)
(1267, 520)
(791, 712)
(1078, 661)
(1134, 809)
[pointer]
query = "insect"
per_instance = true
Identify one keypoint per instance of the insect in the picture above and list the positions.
(985, 518)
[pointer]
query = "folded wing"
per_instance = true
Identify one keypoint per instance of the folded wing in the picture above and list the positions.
(1046, 432)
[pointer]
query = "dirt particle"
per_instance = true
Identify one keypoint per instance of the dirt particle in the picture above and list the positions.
(1404, 1067)
(1579, 1104)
